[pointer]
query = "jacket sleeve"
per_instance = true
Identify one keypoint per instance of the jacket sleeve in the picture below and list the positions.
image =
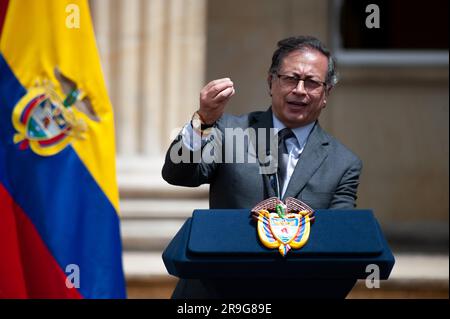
(345, 195)
(184, 167)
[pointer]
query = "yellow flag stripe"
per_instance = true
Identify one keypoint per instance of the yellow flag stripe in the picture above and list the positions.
(41, 35)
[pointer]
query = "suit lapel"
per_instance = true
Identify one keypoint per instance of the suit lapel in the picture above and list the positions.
(310, 160)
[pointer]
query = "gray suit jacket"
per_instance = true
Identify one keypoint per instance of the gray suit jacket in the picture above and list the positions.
(326, 175)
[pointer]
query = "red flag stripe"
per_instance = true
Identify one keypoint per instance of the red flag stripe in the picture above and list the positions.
(27, 270)
(12, 280)
(3, 8)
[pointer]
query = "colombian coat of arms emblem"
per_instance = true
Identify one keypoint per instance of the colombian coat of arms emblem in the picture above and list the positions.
(283, 226)
(46, 122)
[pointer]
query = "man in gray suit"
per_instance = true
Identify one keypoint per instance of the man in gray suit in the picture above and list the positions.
(309, 164)
(313, 166)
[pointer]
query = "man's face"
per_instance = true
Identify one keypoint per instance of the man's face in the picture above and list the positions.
(297, 106)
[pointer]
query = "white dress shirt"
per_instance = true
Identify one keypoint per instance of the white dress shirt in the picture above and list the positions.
(191, 139)
(294, 146)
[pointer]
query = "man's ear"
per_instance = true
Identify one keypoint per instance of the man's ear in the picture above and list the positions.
(327, 93)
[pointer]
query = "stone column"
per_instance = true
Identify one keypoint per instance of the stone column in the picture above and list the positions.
(129, 64)
(101, 16)
(153, 77)
(153, 56)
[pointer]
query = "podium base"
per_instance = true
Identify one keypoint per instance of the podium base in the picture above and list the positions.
(263, 289)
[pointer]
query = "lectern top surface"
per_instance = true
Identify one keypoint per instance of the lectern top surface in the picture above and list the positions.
(334, 232)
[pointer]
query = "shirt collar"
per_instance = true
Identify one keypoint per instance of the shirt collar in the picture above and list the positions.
(301, 133)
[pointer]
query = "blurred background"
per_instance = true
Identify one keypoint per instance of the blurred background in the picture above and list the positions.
(390, 107)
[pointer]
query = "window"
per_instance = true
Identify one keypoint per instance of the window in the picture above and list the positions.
(410, 32)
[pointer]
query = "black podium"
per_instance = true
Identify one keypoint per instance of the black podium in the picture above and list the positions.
(217, 254)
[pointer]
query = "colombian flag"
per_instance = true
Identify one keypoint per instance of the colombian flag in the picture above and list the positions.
(59, 225)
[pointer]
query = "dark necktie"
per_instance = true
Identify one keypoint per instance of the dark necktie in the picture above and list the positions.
(283, 157)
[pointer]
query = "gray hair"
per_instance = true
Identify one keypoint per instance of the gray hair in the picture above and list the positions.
(290, 44)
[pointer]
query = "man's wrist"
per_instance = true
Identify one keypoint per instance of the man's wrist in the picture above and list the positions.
(200, 125)
(206, 118)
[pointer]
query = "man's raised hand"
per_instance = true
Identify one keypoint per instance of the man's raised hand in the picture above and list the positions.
(213, 99)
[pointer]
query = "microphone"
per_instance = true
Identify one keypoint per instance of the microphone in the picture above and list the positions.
(274, 183)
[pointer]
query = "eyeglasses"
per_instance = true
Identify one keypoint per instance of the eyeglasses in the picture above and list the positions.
(290, 82)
